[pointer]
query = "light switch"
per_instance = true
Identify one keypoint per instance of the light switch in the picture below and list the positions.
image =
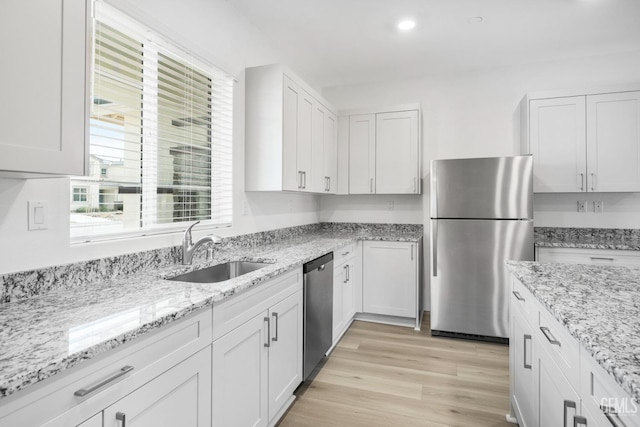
(38, 215)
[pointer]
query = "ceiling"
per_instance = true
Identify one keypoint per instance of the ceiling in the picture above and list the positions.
(341, 42)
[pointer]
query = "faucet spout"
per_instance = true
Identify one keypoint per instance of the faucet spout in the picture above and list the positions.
(189, 248)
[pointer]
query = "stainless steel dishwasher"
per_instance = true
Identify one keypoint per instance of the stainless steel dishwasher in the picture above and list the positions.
(318, 311)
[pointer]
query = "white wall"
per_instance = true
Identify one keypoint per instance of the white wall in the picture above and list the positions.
(217, 33)
(477, 115)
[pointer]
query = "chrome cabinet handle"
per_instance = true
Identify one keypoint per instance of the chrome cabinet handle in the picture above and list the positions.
(526, 365)
(345, 253)
(122, 417)
(304, 178)
(121, 372)
(547, 333)
(568, 404)
(603, 258)
(593, 181)
(577, 420)
(518, 296)
(610, 412)
(299, 179)
(348, 278)
(581, 181)
(268, 344)
(328, 183)
(371, 185)
(275, 320)
(345, 274)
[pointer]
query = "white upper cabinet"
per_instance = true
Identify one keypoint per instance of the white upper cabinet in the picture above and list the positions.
(362, 154)
(384, 151)
(397, 153)
(558, 144)
(45, 64)
(613, 142)
(290, 134)
(583, 143)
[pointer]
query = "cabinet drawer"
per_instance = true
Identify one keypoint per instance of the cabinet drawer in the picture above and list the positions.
(342, 255)
(524, 301)
(588, 256)
(599, 391)
(77, 391)
(561, 347)
(235, 311)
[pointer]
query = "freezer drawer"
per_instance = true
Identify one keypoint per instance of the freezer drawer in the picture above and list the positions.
(469, 283)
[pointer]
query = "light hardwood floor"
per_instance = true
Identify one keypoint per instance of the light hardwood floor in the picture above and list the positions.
(380, 375)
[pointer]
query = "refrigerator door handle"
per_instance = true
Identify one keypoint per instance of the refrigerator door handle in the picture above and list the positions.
(434, 249)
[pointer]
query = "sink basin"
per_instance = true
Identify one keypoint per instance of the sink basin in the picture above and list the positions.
(220, 272)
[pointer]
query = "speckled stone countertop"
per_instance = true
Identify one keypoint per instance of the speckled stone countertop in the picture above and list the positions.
(599, 306)
(45, 334)
(588, 238)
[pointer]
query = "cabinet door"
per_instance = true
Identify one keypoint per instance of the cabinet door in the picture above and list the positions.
(389, 278)
(559, 403)
(397, 153)
(291, 176)
(339, 282)
(305, 140)
(362, 154)
(240, 364)
(285, 351)
(557, 141)
(523, 367)
(43, 68)
(613, 142)
(330, 158)
(179, 397)
(349, 292)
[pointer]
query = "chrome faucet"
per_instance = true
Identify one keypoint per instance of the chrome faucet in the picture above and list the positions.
(188, 247)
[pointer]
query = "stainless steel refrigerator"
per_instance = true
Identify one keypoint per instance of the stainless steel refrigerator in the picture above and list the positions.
(481, 216)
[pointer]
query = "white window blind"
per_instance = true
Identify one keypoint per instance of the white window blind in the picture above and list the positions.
(160, 135)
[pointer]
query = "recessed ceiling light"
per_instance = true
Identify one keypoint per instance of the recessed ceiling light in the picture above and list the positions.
(475, 20)
(406, 25)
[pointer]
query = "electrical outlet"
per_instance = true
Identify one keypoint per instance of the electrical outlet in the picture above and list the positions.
(582, 205)
(598, 206)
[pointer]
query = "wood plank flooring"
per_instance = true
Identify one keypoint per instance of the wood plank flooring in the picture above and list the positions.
(380, 375)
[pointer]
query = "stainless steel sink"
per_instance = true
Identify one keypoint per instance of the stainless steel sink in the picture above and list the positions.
(220, 272)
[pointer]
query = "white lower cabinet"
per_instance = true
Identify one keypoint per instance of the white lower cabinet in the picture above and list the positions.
(390, 278)
(179, 397)
(554, 381)
(524, 369)
(345, 278)
(258, 365)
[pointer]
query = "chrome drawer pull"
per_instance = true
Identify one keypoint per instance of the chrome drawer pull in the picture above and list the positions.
(275, 318)
(603, 258)
(346, 253)
(610, 412)
(121, 372)
(518, 296)
(547, 333)
(268, 343)
(122, 417)
(526, 365)
(577, 421)
(568, 404)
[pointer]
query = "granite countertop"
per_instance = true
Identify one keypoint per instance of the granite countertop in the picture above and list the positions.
(599, 306)
(43, 335)
(588, 238)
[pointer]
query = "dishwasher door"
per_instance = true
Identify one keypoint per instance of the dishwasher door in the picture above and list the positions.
(318, 311)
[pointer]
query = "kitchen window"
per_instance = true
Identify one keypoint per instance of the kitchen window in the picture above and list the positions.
(160, 135)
